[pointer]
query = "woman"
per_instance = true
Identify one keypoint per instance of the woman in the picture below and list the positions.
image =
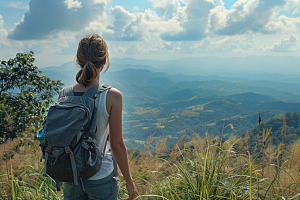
(92, 55)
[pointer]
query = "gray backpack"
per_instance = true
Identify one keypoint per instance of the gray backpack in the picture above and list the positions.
(69, 146)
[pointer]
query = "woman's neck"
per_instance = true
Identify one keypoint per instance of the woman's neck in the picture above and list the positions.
(81, 88)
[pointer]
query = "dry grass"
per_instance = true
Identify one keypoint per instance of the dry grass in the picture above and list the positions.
(23, 155)
(203, 168)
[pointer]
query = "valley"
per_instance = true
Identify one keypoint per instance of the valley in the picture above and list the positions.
(171, 105)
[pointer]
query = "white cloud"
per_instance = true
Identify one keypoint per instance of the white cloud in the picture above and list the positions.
(130, 48)
(167, 8)
(246, 16)
(122, 25)
(73, 4)
(283, 24)
(169, 46)
(193, 20)
(293, 5)
(207, 45)
(219, 45)
(106, 2)
(235, 44)
(98, 27)
(198, 19)
(155, 25)
(45, 19)
(14, 4)
(286, 45)
(3, 32)
(190, 27)
(125, 25)
(56, 45)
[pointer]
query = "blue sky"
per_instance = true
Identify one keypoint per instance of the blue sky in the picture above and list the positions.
(150, 29)
(142, 5)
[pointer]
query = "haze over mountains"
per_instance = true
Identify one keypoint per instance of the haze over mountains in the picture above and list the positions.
(280, 68)
(172, 98)
(256, 67)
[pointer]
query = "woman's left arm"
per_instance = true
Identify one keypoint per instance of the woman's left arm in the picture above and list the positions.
(116, 139)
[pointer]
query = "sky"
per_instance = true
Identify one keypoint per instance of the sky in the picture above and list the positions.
(150, 29)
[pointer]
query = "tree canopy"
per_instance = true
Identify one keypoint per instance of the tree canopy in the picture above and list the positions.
(24, 93)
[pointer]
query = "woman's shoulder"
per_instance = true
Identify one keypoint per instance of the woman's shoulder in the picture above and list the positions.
(114, 94)
(113, 100)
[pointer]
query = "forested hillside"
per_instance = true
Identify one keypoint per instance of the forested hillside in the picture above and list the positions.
(291, 131)
(170, 106)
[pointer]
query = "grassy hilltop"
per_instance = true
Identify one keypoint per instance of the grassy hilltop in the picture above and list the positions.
(202, 168)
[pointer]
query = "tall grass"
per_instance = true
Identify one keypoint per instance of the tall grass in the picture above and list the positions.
(22, 174)
(212, 169)
(203, 168)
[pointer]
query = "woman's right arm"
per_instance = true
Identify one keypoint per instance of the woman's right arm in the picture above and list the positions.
(115, 101)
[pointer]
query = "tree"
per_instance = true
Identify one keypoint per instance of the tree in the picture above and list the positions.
(23, 89)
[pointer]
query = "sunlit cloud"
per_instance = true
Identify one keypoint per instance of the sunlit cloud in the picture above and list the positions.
(3, 32)
(286, 45)
(169, 26)
(14, 4)
(249, 16)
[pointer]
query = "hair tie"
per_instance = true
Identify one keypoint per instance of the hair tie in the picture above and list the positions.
(91, 63)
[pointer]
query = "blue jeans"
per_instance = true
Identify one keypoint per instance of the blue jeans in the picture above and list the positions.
(106, 188)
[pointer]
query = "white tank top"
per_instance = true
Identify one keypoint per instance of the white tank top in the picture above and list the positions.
(101, 136)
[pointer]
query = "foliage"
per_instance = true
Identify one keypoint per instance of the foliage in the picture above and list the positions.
(23, 89)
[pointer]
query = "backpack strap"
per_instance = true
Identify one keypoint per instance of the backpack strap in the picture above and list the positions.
(94, 92)
(68, 91)
(116, 176)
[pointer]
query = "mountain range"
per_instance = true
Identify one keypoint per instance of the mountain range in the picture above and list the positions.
(172, 104)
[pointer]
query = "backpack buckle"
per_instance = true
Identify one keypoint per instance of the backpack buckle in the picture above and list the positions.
(68, 150)
(49, 149)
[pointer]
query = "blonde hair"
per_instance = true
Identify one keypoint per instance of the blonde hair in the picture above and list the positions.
(91, 55)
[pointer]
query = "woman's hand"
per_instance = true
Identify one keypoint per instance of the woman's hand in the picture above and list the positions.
(132, 191)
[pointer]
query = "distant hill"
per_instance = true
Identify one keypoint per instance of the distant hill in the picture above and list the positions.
(117, 67)
(250, 96)
(186, 93)
(229, 88)
(69, 66)
(292, 132)
(284, 86)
